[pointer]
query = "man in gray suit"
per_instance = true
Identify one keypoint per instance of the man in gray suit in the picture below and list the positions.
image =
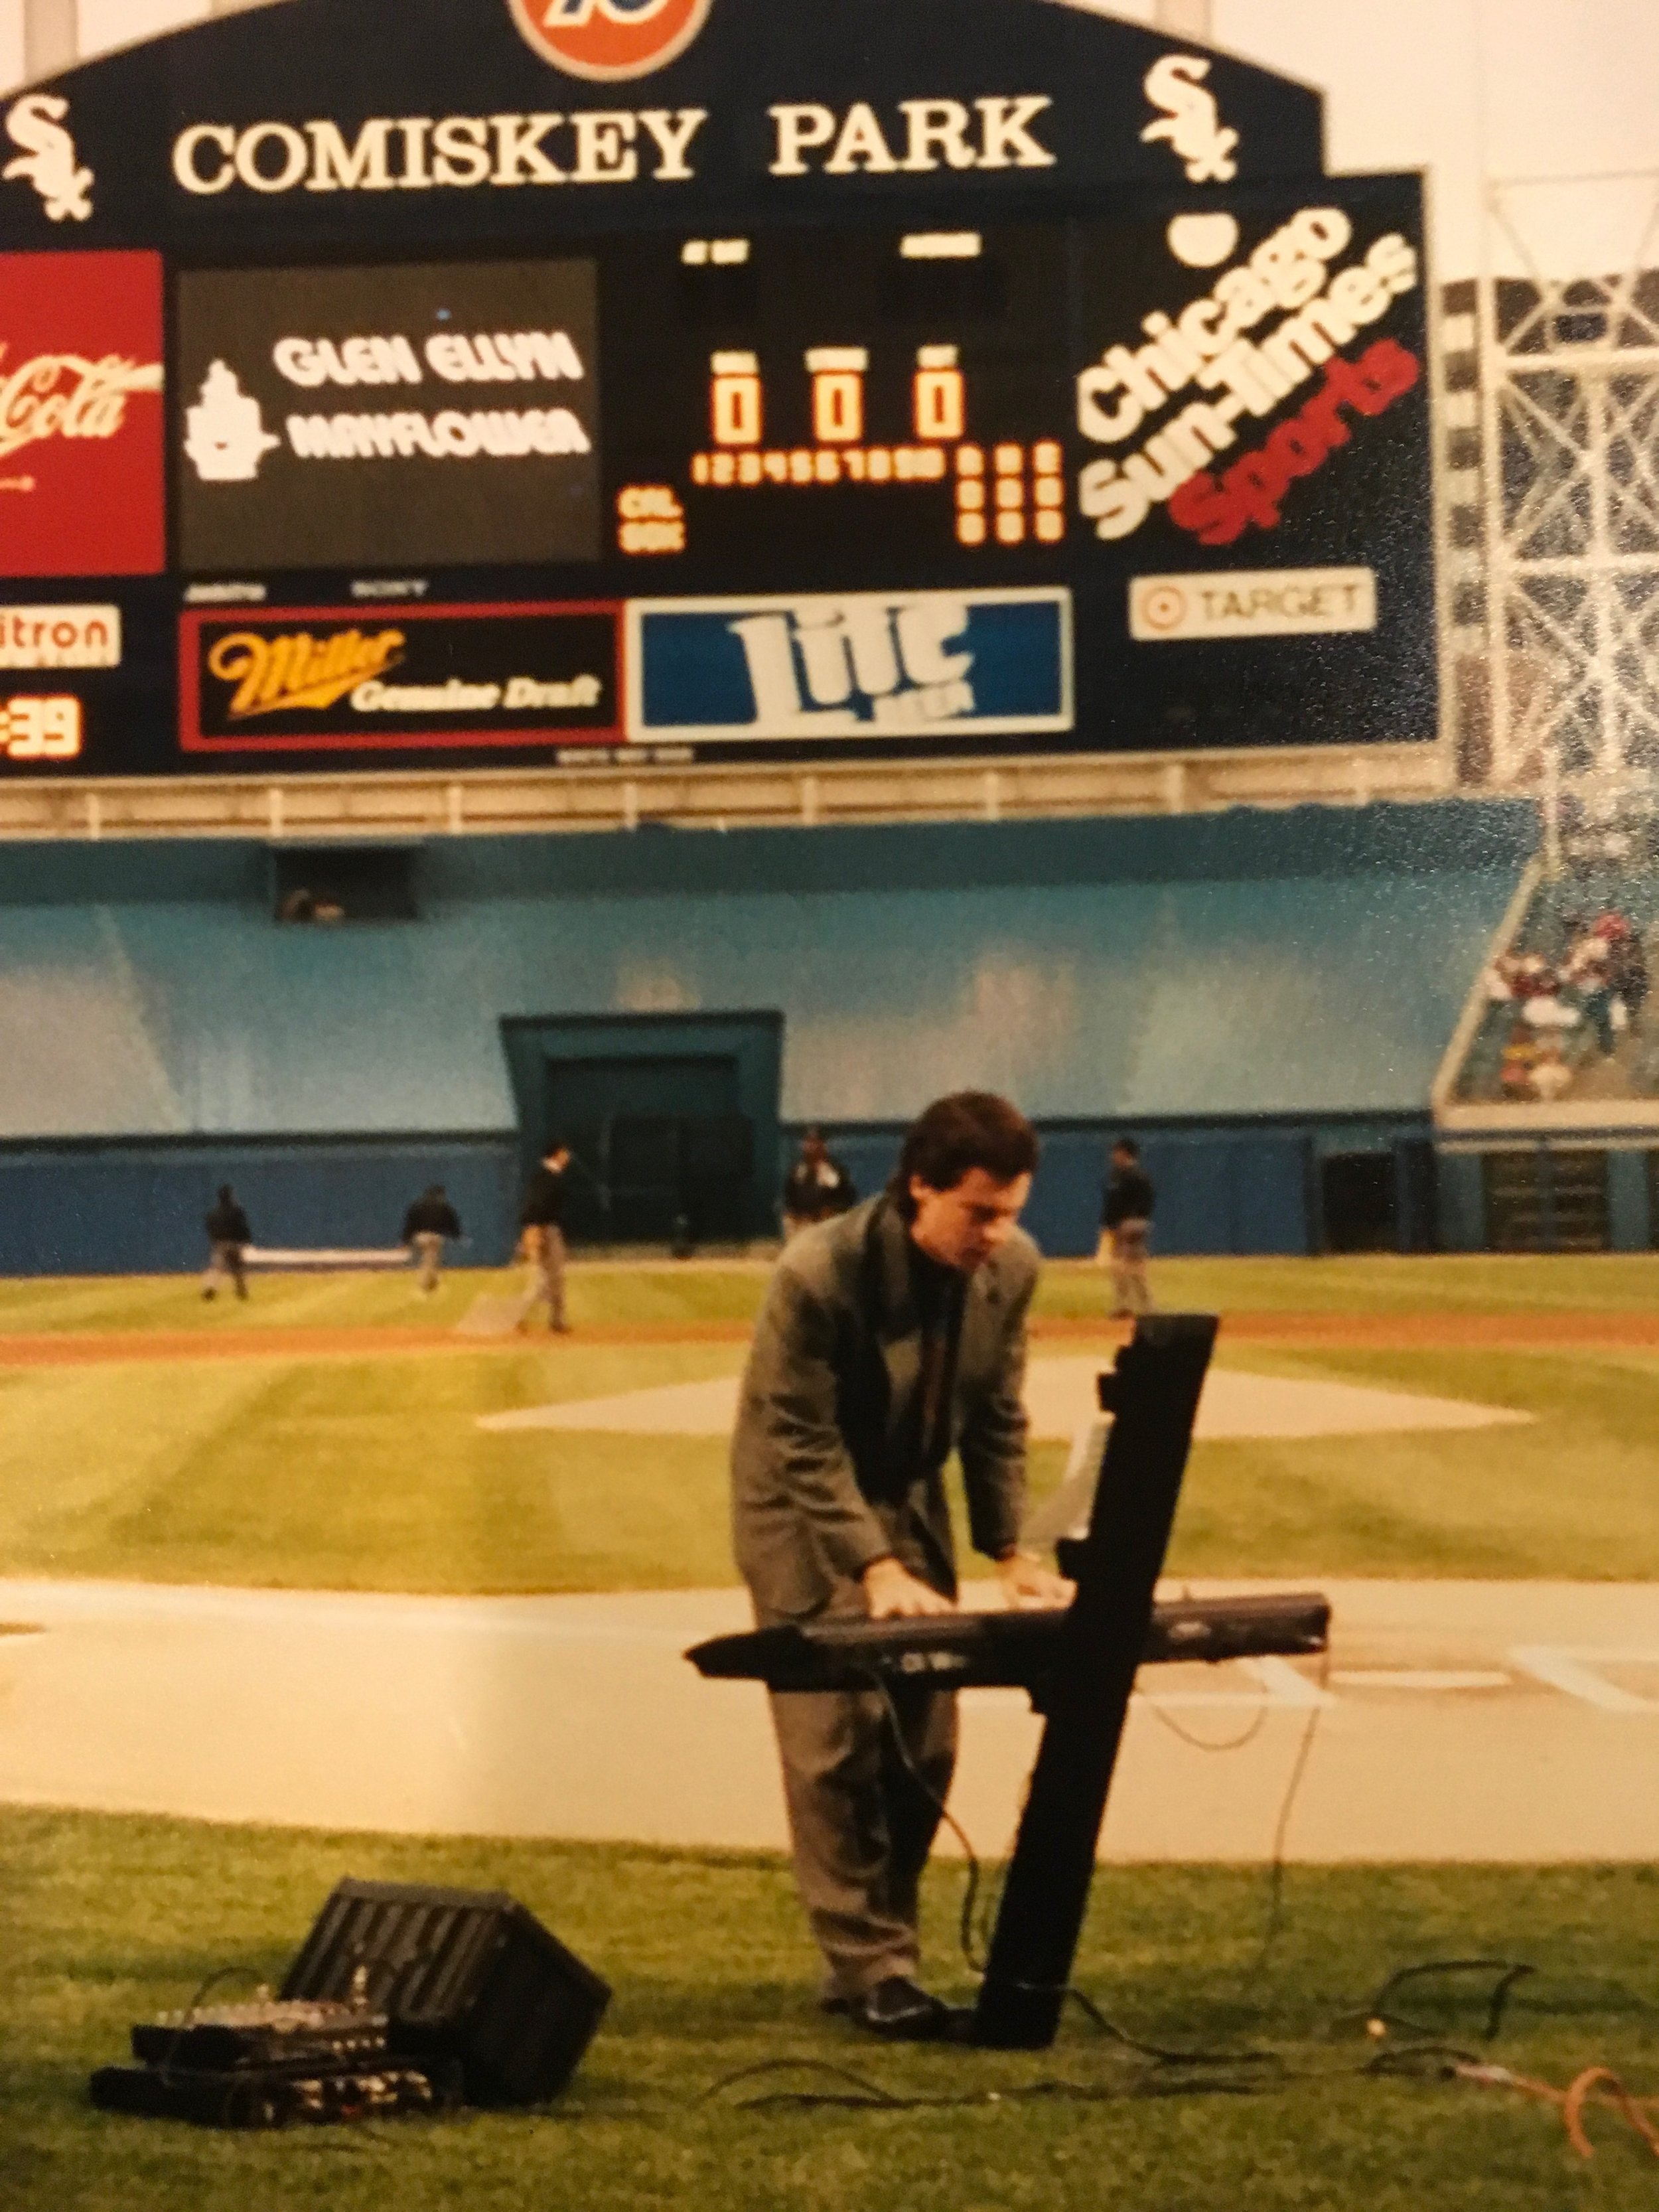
(889, 1337)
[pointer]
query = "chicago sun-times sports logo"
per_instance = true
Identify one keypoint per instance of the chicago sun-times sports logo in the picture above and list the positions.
(609, 39)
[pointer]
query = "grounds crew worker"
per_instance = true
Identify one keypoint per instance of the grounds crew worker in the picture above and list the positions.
(889, 1337)
(427, 1224)
(228, 1238)
(1125, 1224)
(541, 1220)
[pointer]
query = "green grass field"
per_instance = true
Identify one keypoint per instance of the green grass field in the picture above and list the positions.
(110, 1921)
(368, 1472)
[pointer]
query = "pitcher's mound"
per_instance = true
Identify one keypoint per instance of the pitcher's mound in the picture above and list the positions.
(1059, 1396)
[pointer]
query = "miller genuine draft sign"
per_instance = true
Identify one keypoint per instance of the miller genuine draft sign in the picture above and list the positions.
(673, 381)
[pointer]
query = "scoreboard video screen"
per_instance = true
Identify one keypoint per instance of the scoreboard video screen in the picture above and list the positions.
(1132, 470)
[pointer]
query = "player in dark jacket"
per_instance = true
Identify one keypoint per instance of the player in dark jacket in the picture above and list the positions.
(1126, 1226)
(541, 1220)
(228, 1238)
(427, 1224)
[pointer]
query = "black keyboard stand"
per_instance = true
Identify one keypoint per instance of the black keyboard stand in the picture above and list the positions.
(1153, 1396)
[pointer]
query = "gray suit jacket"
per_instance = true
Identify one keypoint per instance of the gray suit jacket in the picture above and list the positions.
(822, 1482)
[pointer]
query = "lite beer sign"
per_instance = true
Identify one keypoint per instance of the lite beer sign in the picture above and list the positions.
(939, 665)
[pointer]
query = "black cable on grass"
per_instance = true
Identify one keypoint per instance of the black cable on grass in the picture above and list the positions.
(1509, 1972)
(866, 2092)
(1418, 2061)
(857, 2093)
(1166, 2075)
(1163, 2054)
(1500, 1997)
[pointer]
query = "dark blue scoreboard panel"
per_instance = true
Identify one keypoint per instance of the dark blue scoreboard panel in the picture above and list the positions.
(1151, 476)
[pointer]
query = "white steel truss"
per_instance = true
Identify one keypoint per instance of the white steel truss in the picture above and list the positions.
(1570, 430)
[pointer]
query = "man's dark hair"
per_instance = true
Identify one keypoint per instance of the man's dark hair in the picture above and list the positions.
(970, 1129)
(1126, 1145)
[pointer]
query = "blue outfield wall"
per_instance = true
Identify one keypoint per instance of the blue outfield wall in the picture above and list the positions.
(115, 1208)
(1239, 988)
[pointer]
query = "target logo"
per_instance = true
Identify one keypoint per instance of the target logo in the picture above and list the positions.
(610, 38)
(1163, 607)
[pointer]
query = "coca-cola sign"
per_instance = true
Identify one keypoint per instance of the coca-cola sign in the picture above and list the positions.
(80, 423)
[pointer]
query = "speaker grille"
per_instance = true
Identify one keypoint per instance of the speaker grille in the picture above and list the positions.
(463, 1974)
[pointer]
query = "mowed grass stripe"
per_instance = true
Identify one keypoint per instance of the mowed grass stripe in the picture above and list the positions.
(1573, 1496)
(365, 1474)
(601, 1297)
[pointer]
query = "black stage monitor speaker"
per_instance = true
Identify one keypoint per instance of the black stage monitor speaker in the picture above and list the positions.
(468, 1975)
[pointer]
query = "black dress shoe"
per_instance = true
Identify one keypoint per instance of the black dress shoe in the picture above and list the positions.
(903, 2011)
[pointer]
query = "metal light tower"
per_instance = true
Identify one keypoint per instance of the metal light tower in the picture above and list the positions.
(1570, 450)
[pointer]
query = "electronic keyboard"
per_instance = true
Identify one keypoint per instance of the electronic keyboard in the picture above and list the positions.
(1003, 1650)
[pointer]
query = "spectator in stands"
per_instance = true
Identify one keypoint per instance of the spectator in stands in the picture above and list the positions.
(817, 1188)
(1520, 1058)
(1629, 976)
(1590, 971)
(229, 1238)
(428, 1222)
(541, 1220)
(1504, 980)
(1551, 1075)
(1126, 1222)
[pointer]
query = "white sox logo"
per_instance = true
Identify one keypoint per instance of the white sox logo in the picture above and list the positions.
(609, 39)
(49, 160)
(1192, 121)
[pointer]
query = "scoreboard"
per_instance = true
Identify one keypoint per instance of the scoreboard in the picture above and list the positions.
(1135, 467)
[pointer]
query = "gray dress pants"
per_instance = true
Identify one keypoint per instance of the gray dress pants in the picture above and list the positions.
(860, 1826)
(545, 1283)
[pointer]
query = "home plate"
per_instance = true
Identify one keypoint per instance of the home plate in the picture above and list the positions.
(1059, 1396)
